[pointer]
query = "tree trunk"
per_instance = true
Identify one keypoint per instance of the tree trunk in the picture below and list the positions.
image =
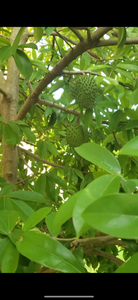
(9, 111)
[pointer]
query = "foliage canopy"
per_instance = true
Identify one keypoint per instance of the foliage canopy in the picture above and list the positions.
(68, 209)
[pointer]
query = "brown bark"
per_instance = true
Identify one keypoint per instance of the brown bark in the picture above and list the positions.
(9, 111)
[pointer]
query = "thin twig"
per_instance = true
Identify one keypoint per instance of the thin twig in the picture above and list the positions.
(41, 159)
(64, 38)
(76, 32)
(105, 254)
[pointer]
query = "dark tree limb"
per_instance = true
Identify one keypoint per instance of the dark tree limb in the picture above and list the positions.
(59, 67)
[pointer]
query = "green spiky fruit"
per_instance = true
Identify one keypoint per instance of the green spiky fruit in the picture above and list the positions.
(84, 90)
(76, 135)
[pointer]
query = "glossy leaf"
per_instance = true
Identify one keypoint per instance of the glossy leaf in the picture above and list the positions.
(127, 66)
(3, 246)
(36, 217)
(52, 148)
(6, 189)
(99, 156)
(48, 252)
(121, 36)
(130, 148)
(29, 134)
(4, 41)
(28, 45)
(131, 266)
(48, 30)
(40, 184)
(17, 39)
(10, 259)
(8, 220)
(27, 196)
(23, 63)
(23, 209)
(129, 185)
(104, 185)
(65, 211)
(42, 148)
(38, 32)
(115, 119)
(9, 135)
(50, 224)
(5, 53)
(116, 215)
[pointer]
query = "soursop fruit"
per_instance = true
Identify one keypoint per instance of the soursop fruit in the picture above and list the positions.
(84, 90)
(76, 135)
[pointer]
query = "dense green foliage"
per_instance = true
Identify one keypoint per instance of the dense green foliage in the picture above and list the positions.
(74, 206)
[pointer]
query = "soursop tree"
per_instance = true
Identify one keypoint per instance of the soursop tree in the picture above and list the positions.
(69, 158)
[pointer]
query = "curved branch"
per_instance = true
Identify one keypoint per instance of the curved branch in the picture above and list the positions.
(106, 255)
(56, 71)
(40, 159)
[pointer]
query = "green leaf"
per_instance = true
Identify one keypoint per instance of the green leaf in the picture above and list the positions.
(4, 40)
(14, 236)
(87, 118)
(17, 40)
(116, 215)
(23, 209)
(111, 80)
(99, 156)
(52, 148)
(27, 196)
(133, 98)
(49, 222)
(42, 148)
(131, 266)
(56, 86)
(41, 65)
(127, 66)
(98, 67)
(98, 116)
(40, 184)
(79, 173)
(130, 148)
(28, 45)
(6, 189)
(65, 211)
(48, 252)
(23, 63)
(124, 73)
(5, 53)
(9, 135)
(131, 124)
(3, 246)
(101, 186)
(10, 259)
(115, 119)
(8, 220)
(48, 30)
(29, 134)
(16, 129)
(38, 32)
(54, 177)
(36, 217)
(129, 185)
(121, 36)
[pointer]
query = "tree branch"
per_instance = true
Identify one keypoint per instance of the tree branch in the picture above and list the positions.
(40, 159)
(74, 30)
(104, 254)
(113, 42)
(56, 71)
